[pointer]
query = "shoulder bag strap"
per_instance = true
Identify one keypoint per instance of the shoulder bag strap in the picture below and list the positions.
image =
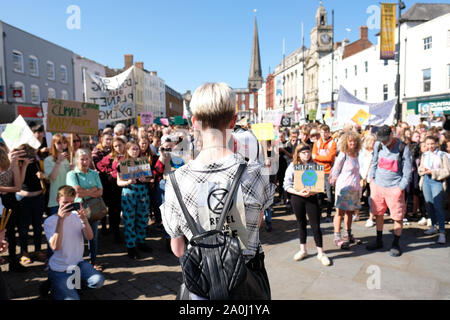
(230, 196)
(78, 180)
(190, 221)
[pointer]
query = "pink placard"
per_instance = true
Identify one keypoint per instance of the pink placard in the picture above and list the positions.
(164, 121)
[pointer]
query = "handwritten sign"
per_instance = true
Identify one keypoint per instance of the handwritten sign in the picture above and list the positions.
(19, 133)
(147, 118)
(263, 131)
(135, 169)
(309, 176)
(72, 117)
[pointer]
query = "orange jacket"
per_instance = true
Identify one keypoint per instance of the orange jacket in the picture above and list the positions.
(325, 153)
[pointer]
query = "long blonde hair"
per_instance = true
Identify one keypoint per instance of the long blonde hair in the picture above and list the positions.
(350, 135)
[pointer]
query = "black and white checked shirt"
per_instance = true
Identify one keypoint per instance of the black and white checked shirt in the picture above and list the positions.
(256, 189)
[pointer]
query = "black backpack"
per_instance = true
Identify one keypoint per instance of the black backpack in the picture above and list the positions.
(213, 267)
(401, 149)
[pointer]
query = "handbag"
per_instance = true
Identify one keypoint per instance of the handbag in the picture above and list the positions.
(213, 267)
(95, 207)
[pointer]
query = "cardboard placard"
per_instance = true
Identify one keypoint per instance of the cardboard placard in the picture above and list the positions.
(135, 169)
(18, 133)
(309, 176)
(65, 116)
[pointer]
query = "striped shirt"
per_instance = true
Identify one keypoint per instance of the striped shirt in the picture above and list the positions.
(203, 188)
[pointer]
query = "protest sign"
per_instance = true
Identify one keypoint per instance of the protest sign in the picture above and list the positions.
(72, 117)
(178, 120)
(360, 117)
(19, 133)
(309, 176)
(114, 95)
(164, 121)
(413, 119)
(147, 118)
(312, 115)
(135, 169)
(263, 131)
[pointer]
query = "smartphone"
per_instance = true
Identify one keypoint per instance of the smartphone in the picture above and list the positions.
(74, 206)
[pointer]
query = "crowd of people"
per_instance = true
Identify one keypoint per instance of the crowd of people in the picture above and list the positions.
(385, 168)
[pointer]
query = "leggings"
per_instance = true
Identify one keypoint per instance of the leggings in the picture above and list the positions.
(302, 206)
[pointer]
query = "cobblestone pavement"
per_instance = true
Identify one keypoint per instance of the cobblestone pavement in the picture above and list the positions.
(422, 272)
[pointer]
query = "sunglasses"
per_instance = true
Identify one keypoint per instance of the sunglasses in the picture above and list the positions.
(166, 149)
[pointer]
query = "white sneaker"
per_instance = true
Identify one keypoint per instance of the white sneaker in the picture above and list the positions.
(431, 231)
(369, 223)
(442, 239)
(422, 222)
(324, 259)
(428, 222)
(300, 255)
(355, 218)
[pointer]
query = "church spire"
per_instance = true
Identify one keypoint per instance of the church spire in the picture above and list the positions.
(255, 79)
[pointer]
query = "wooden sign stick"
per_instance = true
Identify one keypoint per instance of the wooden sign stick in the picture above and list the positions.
(3, 226)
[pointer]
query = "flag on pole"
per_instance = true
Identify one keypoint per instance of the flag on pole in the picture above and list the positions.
(328, 114)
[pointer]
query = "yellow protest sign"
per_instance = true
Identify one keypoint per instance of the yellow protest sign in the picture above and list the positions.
(328, 114)
(263, 131)
(72, 117)
(360, 117)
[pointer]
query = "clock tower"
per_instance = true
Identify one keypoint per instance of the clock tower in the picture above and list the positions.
(321, 45)
(322, 33)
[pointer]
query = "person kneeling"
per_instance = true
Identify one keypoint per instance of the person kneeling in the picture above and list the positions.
(65, 232)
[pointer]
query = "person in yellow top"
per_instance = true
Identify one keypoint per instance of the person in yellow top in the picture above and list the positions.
(324, 153)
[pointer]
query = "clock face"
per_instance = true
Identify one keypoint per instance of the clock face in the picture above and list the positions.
(325, 38)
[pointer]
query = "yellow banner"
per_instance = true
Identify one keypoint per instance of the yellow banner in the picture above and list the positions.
(387, 33)
(263, 131)
(360, 117)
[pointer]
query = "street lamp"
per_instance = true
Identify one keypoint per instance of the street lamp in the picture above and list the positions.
(401, 6)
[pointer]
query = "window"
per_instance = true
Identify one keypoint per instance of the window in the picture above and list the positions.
(19, 86)
(18, 61)
(50, 70)
(63, 72)
(427, 43)
(51, 93)
(366, 66)
(356, 70)
(34, 66)
(64, 95)
(346, 74)
(35, 94)
(385, 92)
(427, 80)
(243, 107)
(366, 94)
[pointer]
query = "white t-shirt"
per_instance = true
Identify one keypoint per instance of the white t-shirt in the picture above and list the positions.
(72, 246)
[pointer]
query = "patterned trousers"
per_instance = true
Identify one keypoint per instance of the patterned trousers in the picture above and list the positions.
(135, 206)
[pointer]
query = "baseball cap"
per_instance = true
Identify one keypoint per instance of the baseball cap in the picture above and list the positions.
(384, 133)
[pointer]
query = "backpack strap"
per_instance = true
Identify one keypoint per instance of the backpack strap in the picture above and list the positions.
(227, 206)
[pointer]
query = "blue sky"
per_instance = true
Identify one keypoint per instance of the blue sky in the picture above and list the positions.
(188, 42)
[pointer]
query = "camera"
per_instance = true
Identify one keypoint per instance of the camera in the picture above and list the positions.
(74, 206)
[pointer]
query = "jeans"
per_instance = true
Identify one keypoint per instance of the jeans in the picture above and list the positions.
(433, 191)
(32, 210)
(63, 284)
(93, 244)
(157, 198)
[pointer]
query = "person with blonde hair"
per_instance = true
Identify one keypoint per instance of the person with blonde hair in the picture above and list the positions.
(204, 180)
(365, 161)
(345, 174)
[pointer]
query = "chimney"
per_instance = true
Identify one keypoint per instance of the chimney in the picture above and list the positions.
(140, 65)
(128, 61)
(364, 33)
(346, 42)
(154, 73)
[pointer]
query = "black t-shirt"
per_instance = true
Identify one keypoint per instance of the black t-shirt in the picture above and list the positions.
(31, 182)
